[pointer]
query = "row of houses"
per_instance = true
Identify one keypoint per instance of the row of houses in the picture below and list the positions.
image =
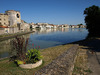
(10, 22)
(46, 25)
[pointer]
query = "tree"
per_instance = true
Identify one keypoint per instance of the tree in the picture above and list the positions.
(25, 22)
(92, 19)
(80, 25)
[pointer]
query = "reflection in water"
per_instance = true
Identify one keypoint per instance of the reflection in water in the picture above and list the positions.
(47, 38)
(5, 47)
(53, 37)
(45, 31)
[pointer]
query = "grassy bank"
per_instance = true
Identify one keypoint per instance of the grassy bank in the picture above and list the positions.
(81, 63)
(49, 54)
(9, 36)
(81, 66)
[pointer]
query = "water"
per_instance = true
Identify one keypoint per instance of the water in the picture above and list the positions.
(47, 38)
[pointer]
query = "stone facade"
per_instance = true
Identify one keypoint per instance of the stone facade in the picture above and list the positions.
(10, 18)
(14, 17)
(4, 19)
(9, 30)
(10, 22)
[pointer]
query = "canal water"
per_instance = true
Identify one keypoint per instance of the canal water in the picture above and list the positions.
(47, 38)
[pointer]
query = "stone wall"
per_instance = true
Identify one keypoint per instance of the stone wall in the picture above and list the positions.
(4, 19)
(14, 17)
(62, 65)
(9, 30)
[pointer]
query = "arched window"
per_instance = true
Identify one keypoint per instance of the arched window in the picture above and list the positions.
(17, 15)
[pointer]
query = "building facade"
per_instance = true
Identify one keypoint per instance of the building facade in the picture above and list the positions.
(14, 17)
(4, 19)
(10, 18)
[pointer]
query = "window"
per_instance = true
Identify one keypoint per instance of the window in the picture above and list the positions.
(17, 15)
(0, 23)
(0, 19)
(4, 23)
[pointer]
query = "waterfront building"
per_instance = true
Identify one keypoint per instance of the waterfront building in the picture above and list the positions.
(10, 18)
(72, 26)
(14, 17)
(65, 25)
(24, 26)
(81, 26)
(32, 25)
(49, 26)
(10, 22)
(54, 26)
(76, 26)
(4, 22)
(41, 25)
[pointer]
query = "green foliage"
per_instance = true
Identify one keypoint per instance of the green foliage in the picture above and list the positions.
(80, 25)
(19, 62)
(25, 22)
(88, 70)
(92, 19)
(32, 56)
(20, 46)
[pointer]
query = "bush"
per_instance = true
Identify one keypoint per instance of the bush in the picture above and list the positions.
(19, 46)
(22, 57)
(32, 56)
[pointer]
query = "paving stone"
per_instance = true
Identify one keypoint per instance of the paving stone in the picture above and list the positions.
(62, 65)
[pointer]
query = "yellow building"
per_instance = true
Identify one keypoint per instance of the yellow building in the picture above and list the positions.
(4, 19)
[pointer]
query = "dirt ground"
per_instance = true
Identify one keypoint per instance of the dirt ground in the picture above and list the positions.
(92, 54)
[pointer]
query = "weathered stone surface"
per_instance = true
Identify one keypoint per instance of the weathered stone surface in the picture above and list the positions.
(62, 65)
(30, 66)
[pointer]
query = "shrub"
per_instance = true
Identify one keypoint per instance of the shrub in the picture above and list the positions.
(22, 57)
(19, 46)
(32, 56)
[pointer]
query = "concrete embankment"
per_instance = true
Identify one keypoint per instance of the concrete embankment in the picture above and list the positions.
(62, 65)
(9, 36)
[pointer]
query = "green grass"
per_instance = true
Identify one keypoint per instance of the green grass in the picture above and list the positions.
(9, 68)
(80, 65)
(88, 70)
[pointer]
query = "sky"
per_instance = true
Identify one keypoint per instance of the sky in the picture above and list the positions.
(49, 11)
